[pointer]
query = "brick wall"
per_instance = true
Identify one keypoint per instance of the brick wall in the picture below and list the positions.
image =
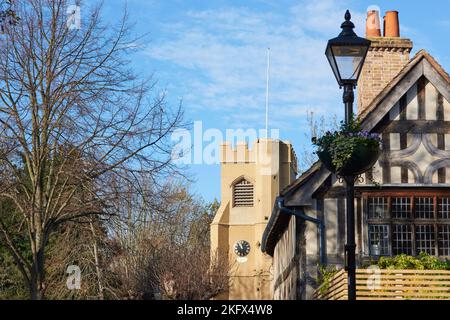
(386, 57)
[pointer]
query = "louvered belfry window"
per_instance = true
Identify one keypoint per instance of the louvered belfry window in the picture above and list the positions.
(243, 194)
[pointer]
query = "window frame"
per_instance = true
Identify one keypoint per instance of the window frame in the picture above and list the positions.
(412, 221)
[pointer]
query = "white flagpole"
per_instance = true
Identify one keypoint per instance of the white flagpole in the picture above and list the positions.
(267, 92)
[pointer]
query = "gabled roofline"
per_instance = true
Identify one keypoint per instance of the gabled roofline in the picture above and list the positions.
(422, 64)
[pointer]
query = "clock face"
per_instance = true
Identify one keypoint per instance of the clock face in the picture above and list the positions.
(242, 248)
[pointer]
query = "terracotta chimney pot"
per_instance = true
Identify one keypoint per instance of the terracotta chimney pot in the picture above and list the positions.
(391, 25)
(385, 58)
(373, 24)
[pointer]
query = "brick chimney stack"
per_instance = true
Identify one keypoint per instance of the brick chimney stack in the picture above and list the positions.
(386, 57)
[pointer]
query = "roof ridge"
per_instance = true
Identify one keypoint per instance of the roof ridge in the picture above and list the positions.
(436, 64)
(421, 54)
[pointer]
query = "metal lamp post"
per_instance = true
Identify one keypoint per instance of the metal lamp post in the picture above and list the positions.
(346, 54)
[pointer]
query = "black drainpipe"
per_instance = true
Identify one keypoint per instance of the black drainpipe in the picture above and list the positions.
(320, 225)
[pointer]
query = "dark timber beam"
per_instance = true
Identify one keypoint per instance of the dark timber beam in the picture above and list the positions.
(417, 126)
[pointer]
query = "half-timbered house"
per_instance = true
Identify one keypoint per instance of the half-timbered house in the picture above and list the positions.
(402, 205)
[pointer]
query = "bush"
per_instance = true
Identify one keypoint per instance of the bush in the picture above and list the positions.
(326, 273)
(423, 262)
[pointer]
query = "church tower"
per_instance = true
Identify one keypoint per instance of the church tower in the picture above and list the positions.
(250, 182)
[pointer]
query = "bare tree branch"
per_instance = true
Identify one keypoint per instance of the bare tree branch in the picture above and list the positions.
(75, 119)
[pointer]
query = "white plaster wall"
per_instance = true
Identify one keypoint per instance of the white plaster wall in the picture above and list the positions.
(412, 109)
(331, 223)
(430, 101)
(446, 110)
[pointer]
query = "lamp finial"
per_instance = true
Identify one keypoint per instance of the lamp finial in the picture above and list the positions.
(347, 16)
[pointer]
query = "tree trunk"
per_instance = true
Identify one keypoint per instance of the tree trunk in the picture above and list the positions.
(37, 283)
(97, 264)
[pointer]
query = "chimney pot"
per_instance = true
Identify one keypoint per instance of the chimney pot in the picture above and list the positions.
(391, 25)
(373, 24)
(385, 58)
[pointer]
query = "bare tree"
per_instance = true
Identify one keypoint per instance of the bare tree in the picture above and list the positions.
(165, 249)
(191, 273)
(84, 244)
(75, 123)
(317, 127)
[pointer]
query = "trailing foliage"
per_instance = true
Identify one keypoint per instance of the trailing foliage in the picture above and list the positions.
(341, 144)
(326, 273)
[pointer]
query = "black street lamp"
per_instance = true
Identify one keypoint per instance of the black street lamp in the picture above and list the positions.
(346, 54)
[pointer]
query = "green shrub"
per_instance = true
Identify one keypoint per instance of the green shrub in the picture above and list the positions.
(423, 262)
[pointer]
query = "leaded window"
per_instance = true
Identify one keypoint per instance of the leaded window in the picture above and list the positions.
(408, 223)
(444, 208)
(401, 239)
(379, 240)
(424, 207)
(425, 239)
(377, 207)
(401, 207)
(444, 240)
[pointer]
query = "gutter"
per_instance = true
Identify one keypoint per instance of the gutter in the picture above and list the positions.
(301, 214)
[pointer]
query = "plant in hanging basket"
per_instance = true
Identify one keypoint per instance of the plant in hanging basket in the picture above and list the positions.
(348, 151)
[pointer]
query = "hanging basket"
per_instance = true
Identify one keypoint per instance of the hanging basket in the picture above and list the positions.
(362, 159)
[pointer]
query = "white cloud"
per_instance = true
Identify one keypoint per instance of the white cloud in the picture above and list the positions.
(224, 54)
(444, 23)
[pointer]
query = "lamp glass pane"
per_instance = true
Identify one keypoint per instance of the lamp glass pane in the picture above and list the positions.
(348, 60)
(329, 54)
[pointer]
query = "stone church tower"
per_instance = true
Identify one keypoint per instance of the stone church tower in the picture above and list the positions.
(250, 182)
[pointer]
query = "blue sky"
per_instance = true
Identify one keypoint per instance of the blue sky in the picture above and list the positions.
(212, 56)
